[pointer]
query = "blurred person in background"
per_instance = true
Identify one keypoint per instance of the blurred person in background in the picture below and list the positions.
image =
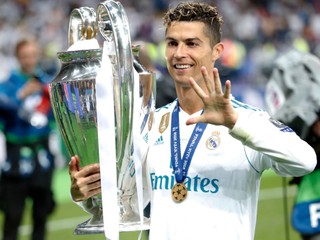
(25, 120)
(165, 89)
(293, 97)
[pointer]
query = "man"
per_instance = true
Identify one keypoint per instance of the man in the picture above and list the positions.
(25, 112)
(204, 178)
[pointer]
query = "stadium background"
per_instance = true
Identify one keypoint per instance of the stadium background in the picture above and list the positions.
(255, 32)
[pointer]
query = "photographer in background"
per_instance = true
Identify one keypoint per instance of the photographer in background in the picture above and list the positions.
(293, 97)
(25, 114)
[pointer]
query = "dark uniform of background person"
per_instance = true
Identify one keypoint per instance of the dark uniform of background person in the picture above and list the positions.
(165, 89)
(25, 117)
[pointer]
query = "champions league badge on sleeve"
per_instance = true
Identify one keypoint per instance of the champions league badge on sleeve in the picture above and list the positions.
(280, 125)
(213, 141)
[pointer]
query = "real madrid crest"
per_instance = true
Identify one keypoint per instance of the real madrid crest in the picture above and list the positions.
(213, 141)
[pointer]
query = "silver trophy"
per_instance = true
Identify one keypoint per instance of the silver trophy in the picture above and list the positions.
(73, 99)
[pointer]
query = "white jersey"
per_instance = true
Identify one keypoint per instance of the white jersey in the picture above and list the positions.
(223, 179)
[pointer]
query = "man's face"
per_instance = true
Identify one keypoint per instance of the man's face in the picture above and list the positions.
(187, 50)
(28, 56)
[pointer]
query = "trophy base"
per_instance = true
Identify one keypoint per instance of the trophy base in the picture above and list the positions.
(87, 227)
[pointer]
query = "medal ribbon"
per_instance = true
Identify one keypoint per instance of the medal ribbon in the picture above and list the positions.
(181, 166)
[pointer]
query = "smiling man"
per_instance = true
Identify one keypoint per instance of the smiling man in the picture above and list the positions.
(207, 151)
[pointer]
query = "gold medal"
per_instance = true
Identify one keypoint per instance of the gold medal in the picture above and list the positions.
(179, 192)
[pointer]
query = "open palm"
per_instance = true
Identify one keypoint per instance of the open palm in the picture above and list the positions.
(218, 109)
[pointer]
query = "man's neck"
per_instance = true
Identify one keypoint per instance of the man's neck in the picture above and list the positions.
(189, 101)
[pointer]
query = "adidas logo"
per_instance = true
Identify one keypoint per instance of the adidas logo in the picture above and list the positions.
(159, 141)
(146, 137)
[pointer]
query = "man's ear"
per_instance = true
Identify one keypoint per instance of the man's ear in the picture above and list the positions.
(217, 51)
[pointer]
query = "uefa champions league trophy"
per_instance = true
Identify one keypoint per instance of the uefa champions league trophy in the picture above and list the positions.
(74, 103)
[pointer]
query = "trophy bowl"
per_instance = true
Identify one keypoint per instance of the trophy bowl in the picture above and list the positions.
(74, 104)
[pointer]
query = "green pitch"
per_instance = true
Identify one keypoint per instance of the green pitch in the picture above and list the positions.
(271, 222)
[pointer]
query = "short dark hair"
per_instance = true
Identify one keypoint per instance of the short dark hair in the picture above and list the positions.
(22, 42)
(196, 11)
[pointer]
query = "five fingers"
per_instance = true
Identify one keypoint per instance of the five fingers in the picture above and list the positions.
(214, 88)
(213, 85)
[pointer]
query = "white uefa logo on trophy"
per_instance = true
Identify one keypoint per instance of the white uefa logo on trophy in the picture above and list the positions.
(77, 99)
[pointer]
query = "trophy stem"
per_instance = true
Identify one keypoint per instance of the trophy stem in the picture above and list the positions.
(129, 220)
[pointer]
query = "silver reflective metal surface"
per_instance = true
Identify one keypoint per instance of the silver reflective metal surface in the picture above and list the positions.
(73, 101)
(82, 25)
(111, 16)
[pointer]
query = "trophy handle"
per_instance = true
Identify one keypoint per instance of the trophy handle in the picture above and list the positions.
(82, 25)
(113, 26)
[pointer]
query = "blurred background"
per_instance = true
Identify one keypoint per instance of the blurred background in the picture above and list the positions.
(255, 33)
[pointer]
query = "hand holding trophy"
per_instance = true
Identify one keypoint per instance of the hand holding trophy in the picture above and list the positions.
(76, 106)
